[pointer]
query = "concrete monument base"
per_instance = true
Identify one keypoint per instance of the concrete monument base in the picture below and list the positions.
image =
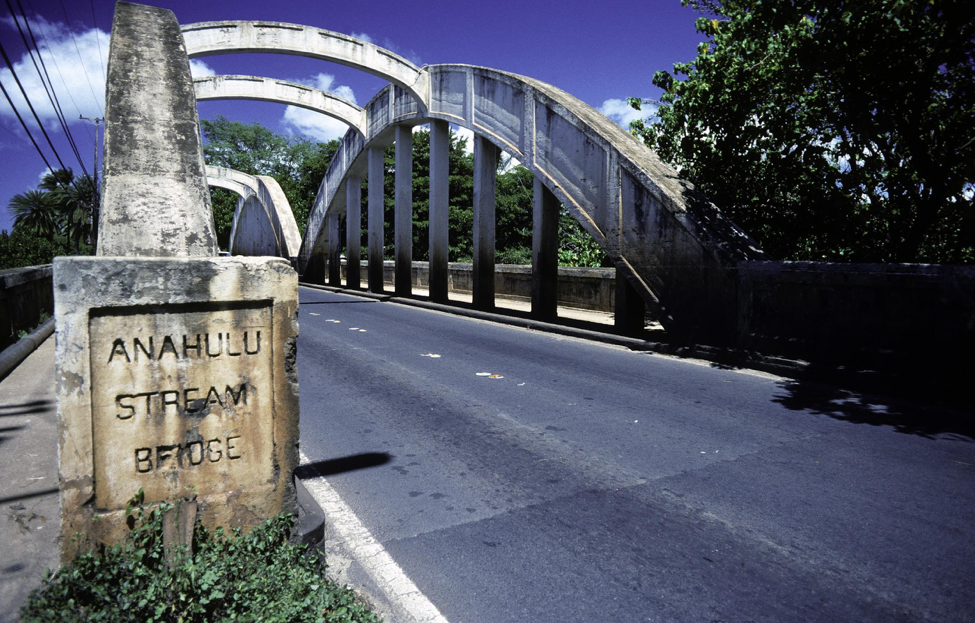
(177, 376)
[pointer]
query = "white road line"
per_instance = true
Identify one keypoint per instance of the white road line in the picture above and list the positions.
(399, 589)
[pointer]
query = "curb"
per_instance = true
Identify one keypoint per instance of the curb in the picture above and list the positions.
(310, 528)
(797, 369)
(14, 354)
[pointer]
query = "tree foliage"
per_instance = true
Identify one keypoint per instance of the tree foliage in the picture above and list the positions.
(297, 164)
(22, 248)
(53, 219)
(831, 130)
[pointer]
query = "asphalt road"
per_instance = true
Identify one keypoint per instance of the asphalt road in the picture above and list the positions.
(592, 483)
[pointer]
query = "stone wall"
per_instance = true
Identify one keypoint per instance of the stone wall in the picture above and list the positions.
(25, 294)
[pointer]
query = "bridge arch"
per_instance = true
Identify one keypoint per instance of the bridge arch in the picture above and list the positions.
(230, 37)
(674, 246)
(278, 91)
(264, 223)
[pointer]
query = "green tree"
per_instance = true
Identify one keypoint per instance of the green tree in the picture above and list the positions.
(831, 130)
(461, 197)
(73, 199)
(35, 212)
(297, 164)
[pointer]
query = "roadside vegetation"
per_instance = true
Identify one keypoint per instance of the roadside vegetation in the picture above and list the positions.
(258, 576)
(52, 219)
(829, 131)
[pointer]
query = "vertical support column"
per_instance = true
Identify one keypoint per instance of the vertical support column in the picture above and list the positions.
(485, 183)
(403, 225)
(353, 231)
(630, 308)
(375, 216)
(334, 251)
(439, 209)
(545, 252)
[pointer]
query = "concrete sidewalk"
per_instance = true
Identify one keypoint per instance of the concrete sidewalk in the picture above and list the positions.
(30, 519)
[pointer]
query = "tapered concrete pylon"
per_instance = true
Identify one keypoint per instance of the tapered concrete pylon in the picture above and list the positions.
(155, 199)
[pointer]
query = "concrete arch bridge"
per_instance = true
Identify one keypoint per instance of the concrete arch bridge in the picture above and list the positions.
(703, 278)
(676, 250)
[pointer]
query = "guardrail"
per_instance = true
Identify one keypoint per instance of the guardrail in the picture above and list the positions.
(25, 294)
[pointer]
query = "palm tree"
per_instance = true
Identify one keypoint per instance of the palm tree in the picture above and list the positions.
(73, 198)
(35, 211)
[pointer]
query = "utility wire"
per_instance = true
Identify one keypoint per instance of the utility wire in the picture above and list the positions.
(40, 125)
(14, 134)
(64, 82)
(101, 59)
(51, 95)
(30, 136)
(67, 21)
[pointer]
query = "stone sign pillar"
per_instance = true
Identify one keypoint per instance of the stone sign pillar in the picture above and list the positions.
(175, 369)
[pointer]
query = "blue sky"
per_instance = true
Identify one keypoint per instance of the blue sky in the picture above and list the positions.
(601, 52)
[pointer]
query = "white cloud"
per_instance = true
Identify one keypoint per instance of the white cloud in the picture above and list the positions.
(198, 69)
(75, 62)
(316, 125)
(622, 113)
(363, 36)
(313, 124)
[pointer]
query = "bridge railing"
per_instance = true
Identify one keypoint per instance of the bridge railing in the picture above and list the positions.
(25, 294)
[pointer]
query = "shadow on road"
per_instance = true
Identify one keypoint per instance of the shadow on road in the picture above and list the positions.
(343, 464)
(901, 415)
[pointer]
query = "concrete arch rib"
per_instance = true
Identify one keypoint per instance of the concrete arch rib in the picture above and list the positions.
(279, 91)
(229, 37)
(673, 245)
(246, 186)
(269, 227)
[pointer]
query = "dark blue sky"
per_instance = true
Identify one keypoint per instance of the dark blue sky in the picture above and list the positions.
(601, 52)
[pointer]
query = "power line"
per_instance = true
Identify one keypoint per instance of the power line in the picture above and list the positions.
(30, 136)
(14, 134)
(51, 95)
(40, 125)
(57, 67)
(67, 21)
(101, 59)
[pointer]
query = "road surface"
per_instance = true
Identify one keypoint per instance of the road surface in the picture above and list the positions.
(519, 476)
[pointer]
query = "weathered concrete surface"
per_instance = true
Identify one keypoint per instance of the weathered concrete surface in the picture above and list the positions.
(581, 288)
(439, 212)
(155, 200)
(278, 91)
(246, 186)
(263, 221)
(403, 209)
(353, 230)
(228, 37)
(545, 252)
(485, 183)
(174, 374)
(678, 246)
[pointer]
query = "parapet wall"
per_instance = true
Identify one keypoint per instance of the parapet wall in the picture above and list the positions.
(913, 315)
(25, 294)
(582, 288)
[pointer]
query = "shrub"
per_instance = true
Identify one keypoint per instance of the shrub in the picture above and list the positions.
(258, 576)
